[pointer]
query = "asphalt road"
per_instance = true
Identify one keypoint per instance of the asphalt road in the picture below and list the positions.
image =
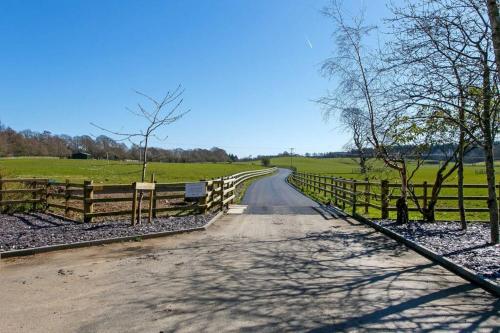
(272, 195)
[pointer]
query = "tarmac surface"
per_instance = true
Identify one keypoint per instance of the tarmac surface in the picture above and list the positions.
(272, 195)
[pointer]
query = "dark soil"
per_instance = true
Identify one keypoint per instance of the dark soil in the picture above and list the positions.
(470, 248)
(21, 231)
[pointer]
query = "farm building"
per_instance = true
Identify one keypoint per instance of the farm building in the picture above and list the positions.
(81, 156)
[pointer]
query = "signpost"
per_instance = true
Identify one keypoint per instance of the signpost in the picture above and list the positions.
(150, 187)
(196, 190)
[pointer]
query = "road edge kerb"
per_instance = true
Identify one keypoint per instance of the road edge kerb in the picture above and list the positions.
(459, 270)
(67, 246)
(449, 265)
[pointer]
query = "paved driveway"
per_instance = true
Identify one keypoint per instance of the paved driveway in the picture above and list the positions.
(251, 273)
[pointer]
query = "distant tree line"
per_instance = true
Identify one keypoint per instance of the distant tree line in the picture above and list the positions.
(438, 152)
(30, 143)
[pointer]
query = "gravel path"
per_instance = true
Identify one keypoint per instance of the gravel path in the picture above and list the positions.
(468, 248)
(21, 231)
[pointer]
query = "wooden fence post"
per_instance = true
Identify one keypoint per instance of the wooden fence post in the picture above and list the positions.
(66, 198)
(46, 195)
(1, 194)
(88, 204)
(153, 195)
(203, 201)
(150, 208)
(367, 195)
(331, 188)
(233, 182)
(354, 188)
(425, 194)
(323, 180)
(134, 204)
(336, 192)
(384, 193)
(344, 189)
(33, 195)
(222, 194)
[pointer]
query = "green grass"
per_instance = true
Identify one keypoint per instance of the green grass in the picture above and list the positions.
(115, 171)
(343, 167)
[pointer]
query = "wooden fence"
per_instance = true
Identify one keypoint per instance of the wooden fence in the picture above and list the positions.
(89, 201)
(359, 196)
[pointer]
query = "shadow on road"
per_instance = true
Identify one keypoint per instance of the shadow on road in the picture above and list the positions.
(323, 282)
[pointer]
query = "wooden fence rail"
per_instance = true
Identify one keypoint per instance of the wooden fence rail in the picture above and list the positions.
(366, 194)
(87, 201)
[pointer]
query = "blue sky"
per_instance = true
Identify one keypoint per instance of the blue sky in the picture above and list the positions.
(250, 69)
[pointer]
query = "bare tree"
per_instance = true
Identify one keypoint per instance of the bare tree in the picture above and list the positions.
(360, 76)
(163, 113)
(444, 50)
(355, 122)
(441, 135)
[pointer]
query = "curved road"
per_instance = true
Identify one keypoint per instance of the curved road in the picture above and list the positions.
(273, 195)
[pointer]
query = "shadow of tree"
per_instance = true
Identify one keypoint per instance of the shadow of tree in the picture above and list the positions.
(323, 282)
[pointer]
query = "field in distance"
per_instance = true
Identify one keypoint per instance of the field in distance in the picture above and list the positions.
(348, 168)
(115, 172)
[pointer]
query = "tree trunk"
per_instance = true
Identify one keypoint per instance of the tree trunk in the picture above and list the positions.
(492, 196)
(362, 164)
(402, 210)
(489, 138)
(402, 202)
(494, 16)
(143, 178)
(429, 213)
(461, 144)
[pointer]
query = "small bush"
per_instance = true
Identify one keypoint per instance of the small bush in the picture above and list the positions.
(265, 161)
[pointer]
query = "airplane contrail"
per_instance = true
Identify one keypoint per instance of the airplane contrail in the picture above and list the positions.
(309, 42)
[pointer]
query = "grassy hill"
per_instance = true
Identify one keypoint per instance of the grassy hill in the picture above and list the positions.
(115, 171)
(348, 168)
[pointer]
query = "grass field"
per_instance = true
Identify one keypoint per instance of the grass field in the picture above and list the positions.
(344, 167)
(115, 171)
(347, 168)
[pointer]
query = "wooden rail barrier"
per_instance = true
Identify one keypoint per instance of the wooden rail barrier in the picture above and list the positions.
(88, 200)
(343, 192)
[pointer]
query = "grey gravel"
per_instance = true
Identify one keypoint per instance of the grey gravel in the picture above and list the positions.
(470, 248)
(22, 231)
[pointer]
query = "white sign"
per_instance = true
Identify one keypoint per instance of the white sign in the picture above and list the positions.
(195, 190)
